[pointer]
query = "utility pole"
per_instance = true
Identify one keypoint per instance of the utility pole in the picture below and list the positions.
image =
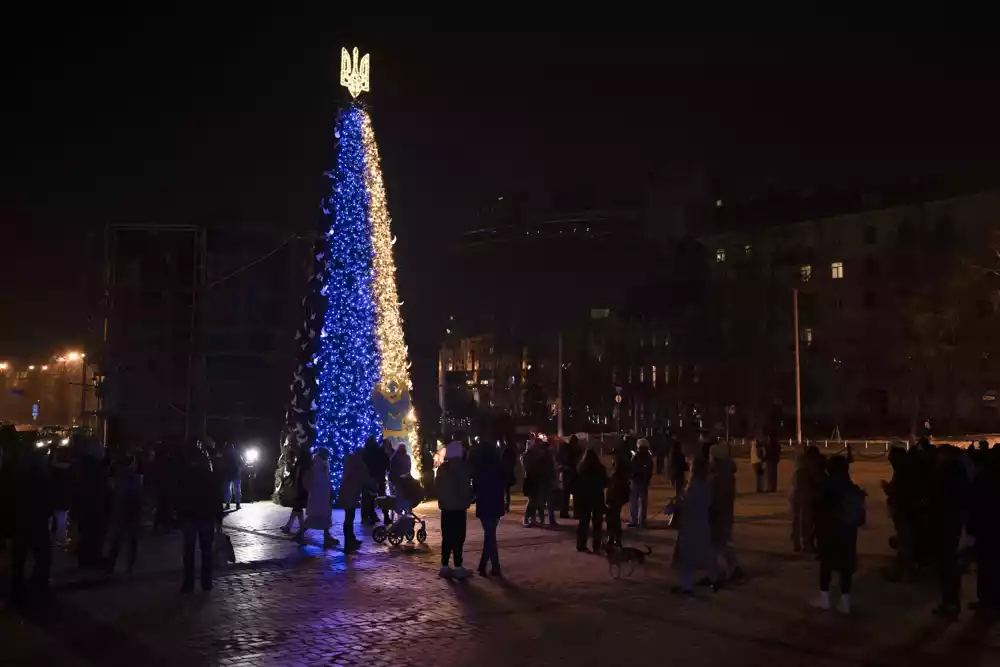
(559, 400)
(798, 369)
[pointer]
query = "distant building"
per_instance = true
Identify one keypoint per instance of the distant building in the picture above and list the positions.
(865, 279)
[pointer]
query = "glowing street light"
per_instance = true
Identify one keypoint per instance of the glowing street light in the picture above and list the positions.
(31, 368)
(4, 365)
(73, 356)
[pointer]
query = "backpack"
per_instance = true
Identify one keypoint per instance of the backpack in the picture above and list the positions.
(852, 510)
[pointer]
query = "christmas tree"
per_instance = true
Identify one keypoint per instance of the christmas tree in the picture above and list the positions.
(360, 353)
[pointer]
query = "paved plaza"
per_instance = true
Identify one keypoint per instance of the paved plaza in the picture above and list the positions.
(282, 604)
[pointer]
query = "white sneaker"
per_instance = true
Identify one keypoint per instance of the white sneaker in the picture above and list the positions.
(845, 604)
(446, 572)
(462, 573)
(822, 602)
(525, 523)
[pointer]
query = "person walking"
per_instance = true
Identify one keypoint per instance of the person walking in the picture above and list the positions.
(199, 508)
(693, 550)
(642, 475)
(300, 472)
(722, 480)
(592, 480)
(488, 483)
(232, 472)
(840, 511)
(661, 447)
(89, 505)
(319, 512)
(127, 515)
(618, 492)
(757, 464)
(508, 461)
(353, 484)
(454, 491)
(377, 464)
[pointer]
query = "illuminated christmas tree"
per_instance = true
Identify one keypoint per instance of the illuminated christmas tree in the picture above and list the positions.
(361, 358)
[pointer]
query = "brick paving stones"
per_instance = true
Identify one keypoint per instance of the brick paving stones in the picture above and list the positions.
(286, 605)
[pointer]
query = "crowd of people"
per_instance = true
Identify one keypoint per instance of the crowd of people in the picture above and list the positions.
(939, 498)
(77, 497)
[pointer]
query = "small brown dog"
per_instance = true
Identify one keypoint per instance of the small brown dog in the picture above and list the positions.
(618, 556)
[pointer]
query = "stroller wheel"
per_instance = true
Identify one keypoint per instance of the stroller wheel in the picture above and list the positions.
(422, 535)
(379, 534)
(395, 539)
(409, 536)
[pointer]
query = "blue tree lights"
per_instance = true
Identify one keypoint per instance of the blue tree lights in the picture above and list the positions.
(348, 359)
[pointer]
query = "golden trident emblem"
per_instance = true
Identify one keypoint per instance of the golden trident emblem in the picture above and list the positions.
(354, 72)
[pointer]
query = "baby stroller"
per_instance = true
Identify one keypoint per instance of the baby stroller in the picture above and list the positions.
(406, 524)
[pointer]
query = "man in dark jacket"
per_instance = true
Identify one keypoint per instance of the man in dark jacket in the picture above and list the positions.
(567, 460)
(488, 483)
(592, 479)
(200, 510)
(840, 511)
(31, 495)
(983, 525)
(509, 456)
(948, 494)
(642, 474)
(377, 463)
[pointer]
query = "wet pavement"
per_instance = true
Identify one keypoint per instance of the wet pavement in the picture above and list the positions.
(282, 604)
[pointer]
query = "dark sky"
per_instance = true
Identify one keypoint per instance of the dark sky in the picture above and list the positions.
(169, 120)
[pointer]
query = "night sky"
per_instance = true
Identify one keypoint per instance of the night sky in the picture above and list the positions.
(171, 120)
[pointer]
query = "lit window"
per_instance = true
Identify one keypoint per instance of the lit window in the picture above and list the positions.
(748, 250)
(806, 273)
(642, 374)
(720, 255)
(837, 270)
(653, 374)
(807, 336)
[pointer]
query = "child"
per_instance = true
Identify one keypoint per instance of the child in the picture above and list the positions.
(840, 512)
(454, 491)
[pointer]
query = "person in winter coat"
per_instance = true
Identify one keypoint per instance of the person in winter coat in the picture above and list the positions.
(508, 460)
(983, 526)
(567, 459)
(678, 466)
(539, 471)
(300, 473)
(199, 509)
(840, 511)
(127, 514)
(31, 496)
(694, 537)
(319, 514)
(377, 464)
(592, 479)
(642, 475)
(453, 485)
(90, 507)
(948, 496)
(722, 480)
(807, 483)
(353, 483)
(618, 493)
(757, 464)
(488, 483)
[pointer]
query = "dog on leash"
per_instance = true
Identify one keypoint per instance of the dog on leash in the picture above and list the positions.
(618, 556)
